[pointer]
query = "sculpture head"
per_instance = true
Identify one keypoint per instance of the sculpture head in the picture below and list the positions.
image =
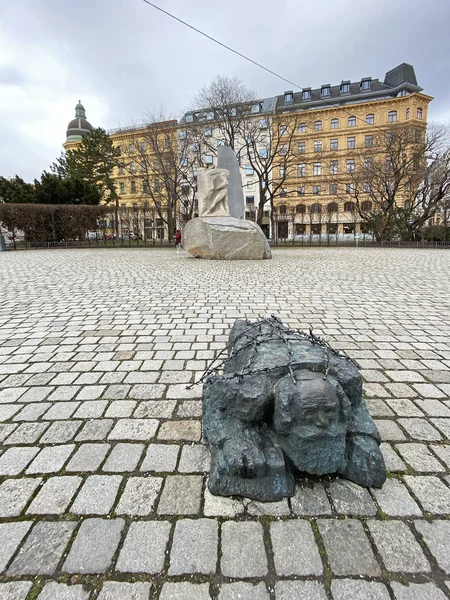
(310, 418)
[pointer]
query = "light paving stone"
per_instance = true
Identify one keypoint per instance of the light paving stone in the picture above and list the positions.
(134, 429)
(61, 410)
(144, 549)
(389, 430)
(391, 459)
(443, 452)
(404, 407)
(349, 589)
(243, 551)
(50, 459)
(15, 494)
(273, 509)
(310, 500)
(15, 590)
(428, 390)
(144, 377)
(351, 499)
(194, 459)
(436, 536)
(394, 499)
(175, 377)
(55, 495)
(431, 493)
(304, 590)
(417, 591)
(139, 496)
(194, 547)
(180, 392)
(147, 391)
(94, 546)
(120, 408)
(97, 495)
(379, 408)
(348, 548)
(64, 392)
(161, 458)
(118, 590)
(181, 495)
(420, 458)
(420, 429)
(240, 590)
(117, 391)
(30, 412)
(14, 460)
(11, 534)
(96, 429)
(42, 550)
(399, 551)
(158, 409)
(91, 392)
(12, 394)
(185, 591)
(60, 432)
(433, 408)
(88, 457)
(26, 433)
(123, 457)
(190, 408)
(91, 409)
(295, 550)
(443, 425)
(184, 430)
(36, 394)
(220, 506)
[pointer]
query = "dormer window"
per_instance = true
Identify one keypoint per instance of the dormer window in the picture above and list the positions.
(325, 91)
(288, 97)
(189, 118)
(255, 108)
(345, 87)
(209, 115)
(365, 84)
(306, 94)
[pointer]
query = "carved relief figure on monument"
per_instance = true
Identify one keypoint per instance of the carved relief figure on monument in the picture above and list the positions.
(212, 191)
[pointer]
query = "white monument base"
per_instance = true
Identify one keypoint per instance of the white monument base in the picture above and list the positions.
(225, 238)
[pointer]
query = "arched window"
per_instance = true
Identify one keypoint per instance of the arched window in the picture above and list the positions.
(318, 126)
(352, 121)
(334, 123)
(316, 208)
(370, 119)
(419, 113)
(349, 207)
(366, 206)
(300, 208)
(408, 112)
(332, 207)
(392, 116)
(283, 209)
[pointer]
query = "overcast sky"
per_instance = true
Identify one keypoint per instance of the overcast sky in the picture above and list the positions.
(123, 58)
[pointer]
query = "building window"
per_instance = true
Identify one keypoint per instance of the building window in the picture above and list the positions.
(302, 128)
(325, 91)
(368, 162)
(288, 96)
(143, 146)
(316, 208)
(189, 118)
(145, 189)
(317, 168)
(132, 167)
(350, 165)
(283, 149)
(301, 170)
(121, 168)
(300, 208)
(419, 113)
(408, 112)
(210, 115)
(263, 124)
(208, 159)
(283, 194)
(306, 94)
(392, 116)
(282, 172)
(351, 142)
(350, 188)
(263, 153)
(332, 207)
(283, 208)
(334, 167)
(301, 190)
(334, 123)
(368, 141)
(157, 185)
(207, 131)
(131, 148)
(333, 189)
(352, 121)
(317, 146)
(334, 144)
(316, 190)
(366, 206)
(349, 207)
(182, 134)
(195, 147)
(370, 119)
(302, 147)
(184, 162)
(248, 170)
(283, 130)
(123, 207)
(345, 87)
(221, 142)
(122, 188)
(318, 126)
(119, 150)
(255, 108)
(366, 187)
(250, 199)
(365, 84)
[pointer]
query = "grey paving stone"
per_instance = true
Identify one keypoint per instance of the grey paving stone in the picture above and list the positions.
(88, 457)
(436, 536)
(60, 432)
(400, 552)
(443, 425)
(26, 433)
(300, 590)
(181, 495)
(94, 430)
(147, 391)
(97, 495)
(348, 548)
(243, 551)
(184, 430)
(351, 499)
(395, 500)
(431, 493)
(194, 547)
(405, 407)
(249, 591)
(420, 458)
(36, 394)
(94, 546)
(123, 457)
(144, 549)
(310, 500)
(189, 408)
(90, 392)
(61, 591)
(118, 590)
(15, 590)
(55, 495)
(139, 496)
(295, 550)
(417, 591)
(42, 550)
(117, 391)
(91, 409)
(194, 459)
(11, 534)
(349, 589)
(433, 408)
(274, 509)
(220, 506)
(134, 429)
(157, 409)
(389, 430)
(120, 408)
(14, 460)
(420, 429)
(61, 410)
(443, 452)
(30, 412)
(51, 459)
(391, 459)
(15, 494)
(161, 458)
(185, 591)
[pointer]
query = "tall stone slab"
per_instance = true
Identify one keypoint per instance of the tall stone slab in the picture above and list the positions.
(226, 159)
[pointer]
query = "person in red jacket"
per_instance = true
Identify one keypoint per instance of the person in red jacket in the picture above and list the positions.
(178, 240)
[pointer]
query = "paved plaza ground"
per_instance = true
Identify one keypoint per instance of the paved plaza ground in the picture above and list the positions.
(102, 472)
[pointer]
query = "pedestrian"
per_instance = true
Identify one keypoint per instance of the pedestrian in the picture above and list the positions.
(178, 240)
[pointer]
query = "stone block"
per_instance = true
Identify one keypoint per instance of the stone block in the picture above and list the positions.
(194, 547)
(240, 590)
(243, 550)
(97, 495)
(351, 499)
(61, 591)
(161, 458)
(144, 548)
(15, 494)
(185, 591)
(431, 492)
(11, 534)
(139, 496)
(349, 589)
(55, 495)
(399, 550)
(304, 590)
(181, 495)
(15, 590)
(123, 457)
(395, 500)
(295, 549)
(436, 536)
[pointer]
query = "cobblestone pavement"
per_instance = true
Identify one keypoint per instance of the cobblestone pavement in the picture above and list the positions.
(102, 473)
